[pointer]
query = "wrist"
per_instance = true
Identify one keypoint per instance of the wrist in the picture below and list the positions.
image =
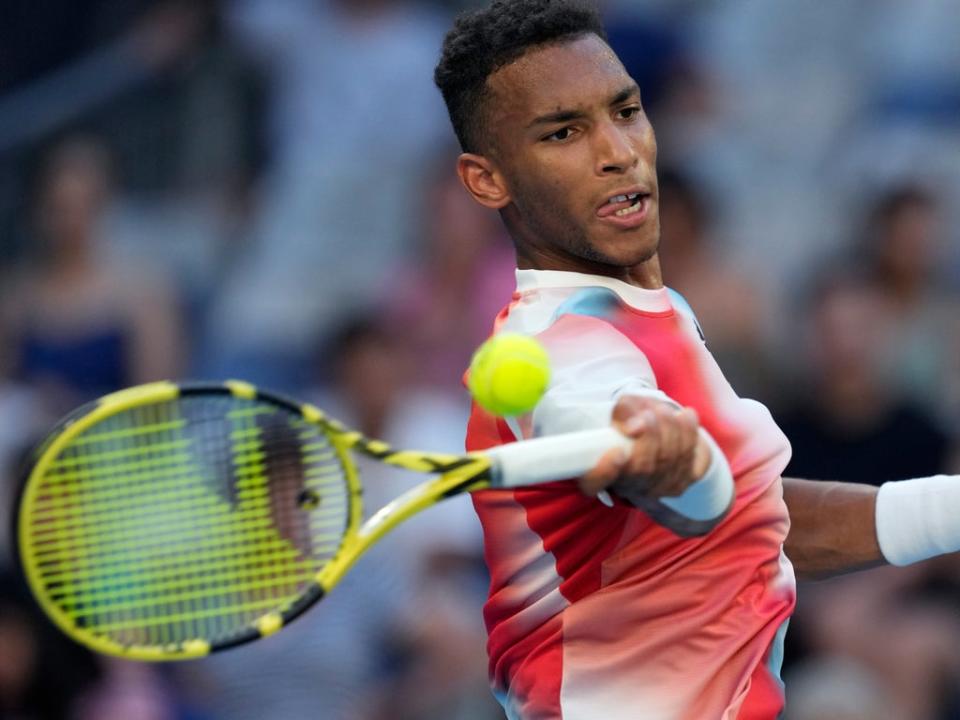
(711, 495)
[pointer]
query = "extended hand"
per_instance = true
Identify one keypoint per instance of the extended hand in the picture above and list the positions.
(668, 453)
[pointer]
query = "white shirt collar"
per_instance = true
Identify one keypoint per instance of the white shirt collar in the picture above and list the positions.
(637, 297)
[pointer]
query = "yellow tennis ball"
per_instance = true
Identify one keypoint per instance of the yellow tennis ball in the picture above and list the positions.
(509, 374)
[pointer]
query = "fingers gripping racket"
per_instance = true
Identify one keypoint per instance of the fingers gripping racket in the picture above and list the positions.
(169, 521)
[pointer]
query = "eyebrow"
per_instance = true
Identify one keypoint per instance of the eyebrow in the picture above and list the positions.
(562, 116)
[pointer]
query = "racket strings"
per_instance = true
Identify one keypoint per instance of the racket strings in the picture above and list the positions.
(187, 519)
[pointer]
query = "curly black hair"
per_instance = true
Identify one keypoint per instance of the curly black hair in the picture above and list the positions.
(483, 41)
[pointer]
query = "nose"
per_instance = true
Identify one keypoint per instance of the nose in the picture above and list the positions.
(615, 153)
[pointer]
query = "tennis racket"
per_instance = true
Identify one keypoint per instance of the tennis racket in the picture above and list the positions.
(168, 521)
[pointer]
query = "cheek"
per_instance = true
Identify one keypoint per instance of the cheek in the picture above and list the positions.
(553, 204)
(542, 186)
(567, 176)
(646, 141)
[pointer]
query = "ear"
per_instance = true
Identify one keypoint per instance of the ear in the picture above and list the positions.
(483, 181)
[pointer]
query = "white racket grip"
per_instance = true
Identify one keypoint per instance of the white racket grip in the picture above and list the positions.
(557, 457)
(570, 455)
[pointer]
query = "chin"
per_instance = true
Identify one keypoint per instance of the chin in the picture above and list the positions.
(630, 253)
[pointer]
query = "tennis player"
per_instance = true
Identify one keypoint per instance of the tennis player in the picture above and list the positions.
(667, 594)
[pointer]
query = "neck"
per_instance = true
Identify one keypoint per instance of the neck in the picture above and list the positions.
(70, 260)
(905, 287)
(645, 274)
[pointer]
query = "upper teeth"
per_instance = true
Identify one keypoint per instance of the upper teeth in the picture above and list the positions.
(623, 198)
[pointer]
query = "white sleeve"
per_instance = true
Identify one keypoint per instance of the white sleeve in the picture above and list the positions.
(590, 370)
(592, 366)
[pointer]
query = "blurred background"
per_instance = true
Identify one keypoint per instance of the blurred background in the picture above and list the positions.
(264, 189)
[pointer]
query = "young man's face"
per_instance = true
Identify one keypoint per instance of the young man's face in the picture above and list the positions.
(568, 134)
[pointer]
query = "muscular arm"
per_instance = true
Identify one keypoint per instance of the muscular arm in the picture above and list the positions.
(832, 527)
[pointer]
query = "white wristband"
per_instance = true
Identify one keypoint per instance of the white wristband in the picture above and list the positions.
(918, 519)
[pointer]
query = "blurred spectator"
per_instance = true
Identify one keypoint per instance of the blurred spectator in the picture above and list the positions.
(410, 610)
(42, 674)
(46, 676)
(837, 689)
(440, 663)
(12, 462)
(729, 305)
(353, 114)
(131, 691)
(21, 422)
(850, 422)
(905, 254)
(190, 146)
(327, 665)
(182, 108)
(437, 637)
(443, 304)
(75, 327)
(368, 387)
(883, 622)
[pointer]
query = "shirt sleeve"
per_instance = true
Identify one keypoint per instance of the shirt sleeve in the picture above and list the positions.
(592, 366)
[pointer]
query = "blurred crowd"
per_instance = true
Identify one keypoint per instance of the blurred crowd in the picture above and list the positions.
(264, 189)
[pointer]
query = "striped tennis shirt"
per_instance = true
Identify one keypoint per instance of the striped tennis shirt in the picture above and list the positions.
(596, 611)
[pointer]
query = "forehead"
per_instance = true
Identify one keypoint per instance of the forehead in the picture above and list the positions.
(568, 75)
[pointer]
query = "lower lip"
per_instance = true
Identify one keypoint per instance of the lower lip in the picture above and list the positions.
(633, 220)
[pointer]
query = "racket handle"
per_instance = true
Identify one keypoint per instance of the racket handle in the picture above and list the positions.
(558, 457)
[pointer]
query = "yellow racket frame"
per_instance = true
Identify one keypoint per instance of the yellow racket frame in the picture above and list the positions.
(458, 473)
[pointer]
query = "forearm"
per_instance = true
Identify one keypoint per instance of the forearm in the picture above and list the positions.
(841, 527)
(832, 527)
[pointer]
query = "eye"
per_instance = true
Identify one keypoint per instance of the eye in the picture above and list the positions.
(629, 113)
(560, 135)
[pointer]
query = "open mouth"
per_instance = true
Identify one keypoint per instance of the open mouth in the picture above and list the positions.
(634, 200)
(623, 205)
